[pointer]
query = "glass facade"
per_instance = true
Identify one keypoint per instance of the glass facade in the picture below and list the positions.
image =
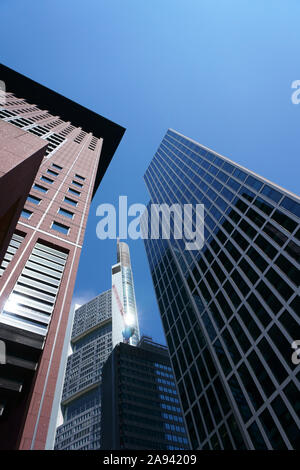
(141, 408)
(230, 311)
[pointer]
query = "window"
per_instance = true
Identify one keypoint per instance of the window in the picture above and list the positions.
(70, 201)
(33, 199)
(57, 166)
(77, 184)
(33, 297)
(65, 213)
(26, 214)
(51, 172)
(46, 179)
(271, 193)
(40, 188)
(79, 177)
(60, 228)
(291, 205)
(73, 191)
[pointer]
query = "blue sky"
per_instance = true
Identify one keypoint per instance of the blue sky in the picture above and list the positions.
(218, 71)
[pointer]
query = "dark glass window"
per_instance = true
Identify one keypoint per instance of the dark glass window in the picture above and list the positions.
(292, 394)
(239, 398)
(189, 387)
(231, 347)
(281, 343)
(206, 414)
(273, 232)
(259, 310)
(272, 432)
(196, 380)
(281, 286)
(191, 430)
(263, 205)
(222, 357)
(289, 324)
(209, 326)
(287, 422)
(250, 387)
(193, 344)
(227, 445)
(289, 269)
(271, 358)
(266, 246)
(269, 297)
(240, 335)
(209, 363)
(199, 423)
(257, 259)
(214, 405)
(285, 221)
(249, 322)
(222, 396)
(256, 437)
(202, 371)
(233, 250)
(236, 434)
(261, 374)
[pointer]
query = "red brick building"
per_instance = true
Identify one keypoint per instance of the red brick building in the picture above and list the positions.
(39, 269)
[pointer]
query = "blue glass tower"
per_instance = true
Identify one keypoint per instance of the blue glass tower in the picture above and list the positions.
(230, 311)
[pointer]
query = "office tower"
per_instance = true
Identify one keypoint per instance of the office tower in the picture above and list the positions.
(98, 326)
(141, 409)
(230, 311)
(39, 269)
(21, 154)
(125, 324)
(81, 399)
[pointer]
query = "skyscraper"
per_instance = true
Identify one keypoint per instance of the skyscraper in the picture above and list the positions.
(98, 326)
(125, 323)
(39, 269)
(230, 311)
(140, 404)
(81, 398)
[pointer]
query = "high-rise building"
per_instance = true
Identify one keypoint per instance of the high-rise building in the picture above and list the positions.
(39, 269)
(125, 323)
(81, 398)
(230, 311)
(98, 326)
(140, 404)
